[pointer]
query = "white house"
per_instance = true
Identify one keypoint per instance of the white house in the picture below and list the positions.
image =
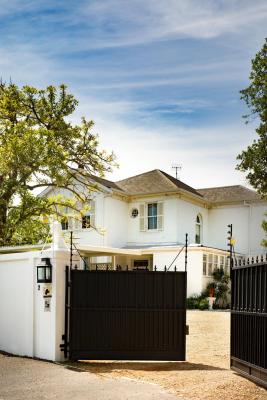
(141, 222)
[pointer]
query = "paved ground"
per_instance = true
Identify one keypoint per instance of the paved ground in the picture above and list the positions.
(22, 379)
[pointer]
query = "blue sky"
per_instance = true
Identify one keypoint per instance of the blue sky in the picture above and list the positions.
(160, 78)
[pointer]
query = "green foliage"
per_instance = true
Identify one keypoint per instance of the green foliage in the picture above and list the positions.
(40, 148)
(193, 302)
(253, 160)
(31, 231)
(220, 284)
(264, 226)
(203, 304)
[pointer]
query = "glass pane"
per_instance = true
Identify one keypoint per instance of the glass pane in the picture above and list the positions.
(152, 222)
(204, 264)
(210, 264)
(40, 273)
(215, 261)
(64, 225)
(152, 209)
(86, 221)
(48, 273)
(210, 269)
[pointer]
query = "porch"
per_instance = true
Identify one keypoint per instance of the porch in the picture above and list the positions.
(96, 257)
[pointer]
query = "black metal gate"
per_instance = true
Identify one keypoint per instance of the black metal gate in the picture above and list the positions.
(249, 321)
(133, 315)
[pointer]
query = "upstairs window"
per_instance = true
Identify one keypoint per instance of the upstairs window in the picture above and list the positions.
(151, 216)
(86, 221)
(74, 223)
(198, 236)
(65, 224)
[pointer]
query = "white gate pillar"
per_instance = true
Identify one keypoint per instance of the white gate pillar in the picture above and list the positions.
(49, 318)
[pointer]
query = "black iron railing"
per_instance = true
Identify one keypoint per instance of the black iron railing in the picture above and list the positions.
(249, 319)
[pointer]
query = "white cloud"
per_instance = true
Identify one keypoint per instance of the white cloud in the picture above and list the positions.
(121, 23)
(208, 155)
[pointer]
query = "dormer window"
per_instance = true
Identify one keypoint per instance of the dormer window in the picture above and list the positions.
(198, 236)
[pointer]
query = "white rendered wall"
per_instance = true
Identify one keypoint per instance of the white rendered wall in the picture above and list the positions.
(16, 304)
(116, 218)
(110, 222)
(169, 234)
(179, 219)
(186, 221)
(194, 267)
(92, 236)
(247, 228)
(26, 329)
(88, 236)
(49, 325)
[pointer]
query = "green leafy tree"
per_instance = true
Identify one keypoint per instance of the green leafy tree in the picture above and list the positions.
(39, 148)
(253, 160)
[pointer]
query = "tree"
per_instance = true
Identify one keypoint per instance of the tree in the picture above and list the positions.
(40, 148)
(253, 160)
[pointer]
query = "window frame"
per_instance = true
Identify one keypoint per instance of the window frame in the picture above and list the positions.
(144, 217)
(65, 224)
(153, 217)
(199, 229)
(210, 264)
(204, 264)
(75, 223)
(82, 222)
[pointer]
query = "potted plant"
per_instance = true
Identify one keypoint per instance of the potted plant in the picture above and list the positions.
(211, 289)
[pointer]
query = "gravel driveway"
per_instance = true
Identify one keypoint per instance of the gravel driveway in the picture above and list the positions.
(22, 378)
(204, 376)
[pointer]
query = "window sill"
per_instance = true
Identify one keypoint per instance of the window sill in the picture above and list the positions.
(77, 230)
(153, 230)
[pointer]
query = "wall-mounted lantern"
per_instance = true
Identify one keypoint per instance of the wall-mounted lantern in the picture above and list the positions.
(44, 271)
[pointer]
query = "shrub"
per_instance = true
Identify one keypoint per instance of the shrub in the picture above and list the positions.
(203, 304)
(192, 302)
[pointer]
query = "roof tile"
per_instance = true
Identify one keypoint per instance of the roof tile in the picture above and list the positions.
(229, 194)
(155, 181)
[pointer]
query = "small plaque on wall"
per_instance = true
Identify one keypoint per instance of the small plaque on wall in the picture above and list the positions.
(47, 304)
(47, 290)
